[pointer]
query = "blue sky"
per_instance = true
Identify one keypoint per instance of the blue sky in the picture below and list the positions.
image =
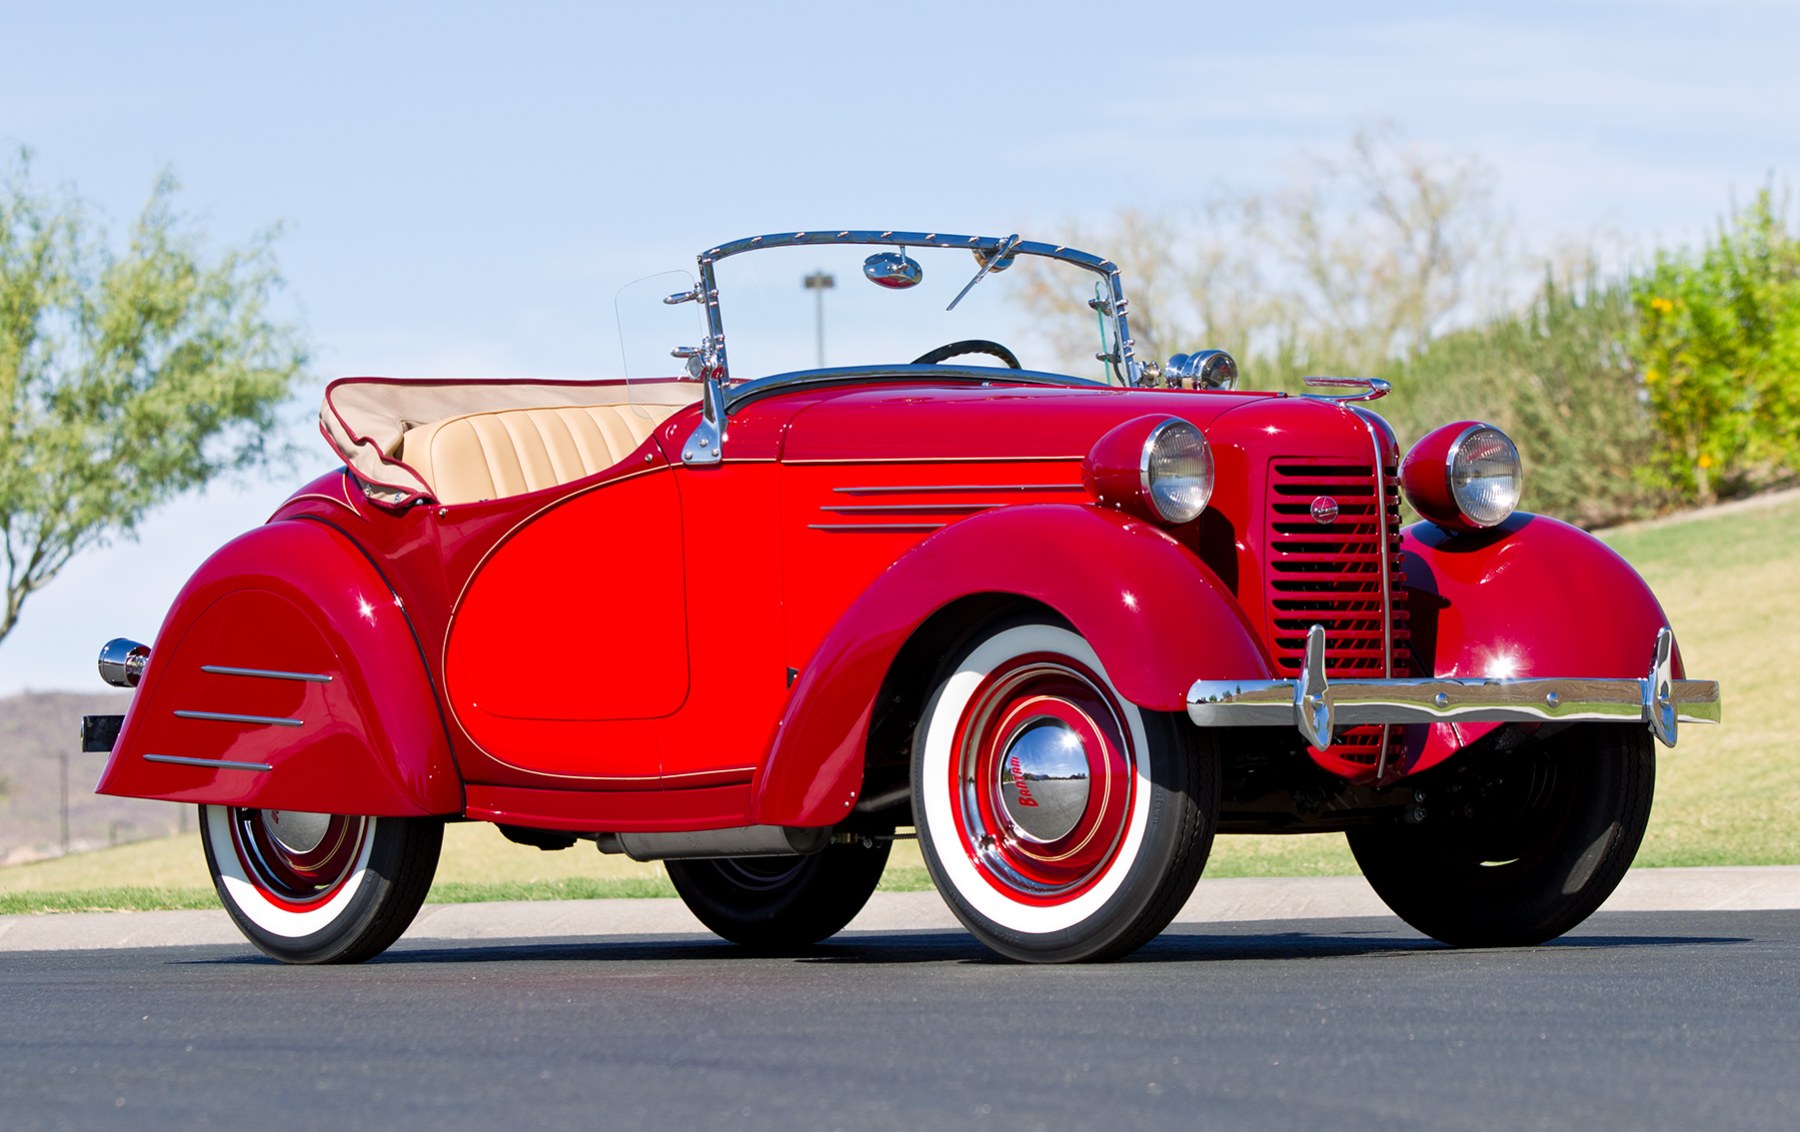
(463, 188)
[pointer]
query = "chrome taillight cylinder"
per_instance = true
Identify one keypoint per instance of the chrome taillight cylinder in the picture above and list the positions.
(122, 662)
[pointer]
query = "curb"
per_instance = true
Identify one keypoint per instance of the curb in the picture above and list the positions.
(1231, 900)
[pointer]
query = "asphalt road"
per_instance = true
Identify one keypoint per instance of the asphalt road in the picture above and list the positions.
(1636, 1020)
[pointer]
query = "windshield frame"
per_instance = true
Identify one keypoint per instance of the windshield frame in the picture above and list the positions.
(1124, 364)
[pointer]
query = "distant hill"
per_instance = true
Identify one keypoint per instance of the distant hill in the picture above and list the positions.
(37, 730)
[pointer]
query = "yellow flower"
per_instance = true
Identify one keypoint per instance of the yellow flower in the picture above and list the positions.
(1661, 305)
(1651, 377)
(1705, 460)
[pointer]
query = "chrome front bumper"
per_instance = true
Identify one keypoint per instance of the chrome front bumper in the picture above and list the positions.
(1316, 707)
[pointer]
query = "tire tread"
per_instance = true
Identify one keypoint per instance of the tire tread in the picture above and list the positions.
(402, 864)
(820, 901)
(1444, 897)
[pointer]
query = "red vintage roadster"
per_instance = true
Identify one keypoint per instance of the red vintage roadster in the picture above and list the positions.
(758, 617)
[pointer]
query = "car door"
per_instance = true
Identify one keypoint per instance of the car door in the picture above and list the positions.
(570, 641)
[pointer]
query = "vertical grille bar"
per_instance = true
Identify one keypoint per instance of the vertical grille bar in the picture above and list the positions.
(1340, 574)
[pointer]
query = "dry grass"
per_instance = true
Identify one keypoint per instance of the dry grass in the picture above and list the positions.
(1730, 584)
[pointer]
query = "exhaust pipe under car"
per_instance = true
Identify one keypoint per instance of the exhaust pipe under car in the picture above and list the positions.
(743, 841)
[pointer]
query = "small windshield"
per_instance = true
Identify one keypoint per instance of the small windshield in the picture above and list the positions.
(650, 328)
(785, 309)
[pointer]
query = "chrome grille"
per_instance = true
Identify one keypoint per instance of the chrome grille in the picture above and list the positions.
(1331, 574)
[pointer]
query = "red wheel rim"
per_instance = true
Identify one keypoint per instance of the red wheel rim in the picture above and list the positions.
(297, 859)
(1020, 844)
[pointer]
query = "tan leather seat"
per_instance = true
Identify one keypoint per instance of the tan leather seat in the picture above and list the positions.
(512, 451)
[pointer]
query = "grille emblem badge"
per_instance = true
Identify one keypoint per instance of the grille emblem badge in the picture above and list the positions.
(1324, 510)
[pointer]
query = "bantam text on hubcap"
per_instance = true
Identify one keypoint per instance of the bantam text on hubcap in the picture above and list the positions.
(1044, 780)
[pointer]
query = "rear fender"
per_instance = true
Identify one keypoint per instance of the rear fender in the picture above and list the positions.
(1155, 614)
(293, 627)
(1530, 597)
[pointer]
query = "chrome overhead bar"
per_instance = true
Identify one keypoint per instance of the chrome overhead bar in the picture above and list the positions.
(993, 248)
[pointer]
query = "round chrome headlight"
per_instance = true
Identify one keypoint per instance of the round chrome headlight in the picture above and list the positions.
(1155, 467)
(1485, 475)
(1176, 471)
(1465, 476)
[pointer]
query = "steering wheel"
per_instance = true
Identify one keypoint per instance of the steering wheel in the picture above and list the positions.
(968, 346)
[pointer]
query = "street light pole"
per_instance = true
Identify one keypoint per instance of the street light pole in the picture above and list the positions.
(818, 283)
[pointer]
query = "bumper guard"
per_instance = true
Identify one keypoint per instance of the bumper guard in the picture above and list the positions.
(1316, 707)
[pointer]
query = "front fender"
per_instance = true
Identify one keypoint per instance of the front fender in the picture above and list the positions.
(294, 628)
(1531, 597)
(1155, 614)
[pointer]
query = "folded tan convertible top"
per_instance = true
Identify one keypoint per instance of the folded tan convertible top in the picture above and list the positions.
(365, 418)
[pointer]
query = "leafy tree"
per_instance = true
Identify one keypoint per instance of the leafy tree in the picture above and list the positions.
(1720, 346)
(1381, 249)
(126, 378)
(1354, 264)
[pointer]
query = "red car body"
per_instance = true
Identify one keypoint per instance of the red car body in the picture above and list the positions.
(665, 647)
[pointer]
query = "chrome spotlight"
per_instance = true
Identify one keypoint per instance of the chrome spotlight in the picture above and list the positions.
(1206, 369)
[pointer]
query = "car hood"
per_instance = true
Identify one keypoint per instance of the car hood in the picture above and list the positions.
(982, 423)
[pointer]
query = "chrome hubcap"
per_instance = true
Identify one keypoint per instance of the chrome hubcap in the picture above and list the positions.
(1044, 780)
(296, 831)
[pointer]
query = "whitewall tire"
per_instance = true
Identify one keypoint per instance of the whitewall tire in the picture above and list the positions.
(1060, 821)
(319, 888)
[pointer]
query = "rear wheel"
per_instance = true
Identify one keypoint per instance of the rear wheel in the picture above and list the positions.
(1524, 854)
(319, 888)
(1060, 821)
(780, 902)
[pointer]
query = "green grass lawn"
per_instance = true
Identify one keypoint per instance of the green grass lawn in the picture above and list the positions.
(1729, 581)
(477, 864)
(1730, 584)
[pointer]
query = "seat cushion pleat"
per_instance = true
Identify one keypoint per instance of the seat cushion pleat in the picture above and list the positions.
(510, 452)
(455, 464)
(612, 427)
(596, 453)
(566, 463)
(528, 450)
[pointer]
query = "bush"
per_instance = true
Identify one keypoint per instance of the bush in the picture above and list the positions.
(1720, 347)
(1626, 397)
(1558, 377)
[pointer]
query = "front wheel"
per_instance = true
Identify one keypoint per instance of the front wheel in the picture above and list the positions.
(319, 888)
(770, 903)
(1525, 850)
(1058, 820)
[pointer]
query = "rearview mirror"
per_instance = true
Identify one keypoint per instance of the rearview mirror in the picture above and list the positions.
(894, 270)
